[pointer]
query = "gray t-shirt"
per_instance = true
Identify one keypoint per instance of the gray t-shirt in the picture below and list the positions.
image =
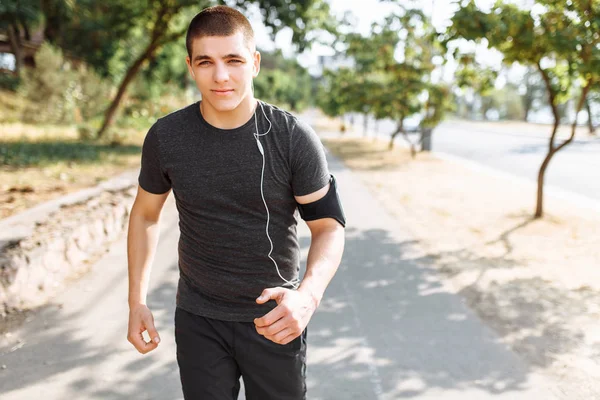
(215, 175)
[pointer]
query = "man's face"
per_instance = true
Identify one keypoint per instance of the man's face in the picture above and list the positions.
(223, 68)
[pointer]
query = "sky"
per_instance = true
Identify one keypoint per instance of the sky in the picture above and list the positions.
(365, 13)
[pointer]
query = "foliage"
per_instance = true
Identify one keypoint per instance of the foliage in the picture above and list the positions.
(307, 19)
(283, 81)
(392, 73)
(59, 92)
(508, 102)
(335, 92)
(560, 39)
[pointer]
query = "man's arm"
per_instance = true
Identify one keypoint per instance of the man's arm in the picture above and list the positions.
(325, 252)
(295, 308)
(142, 239)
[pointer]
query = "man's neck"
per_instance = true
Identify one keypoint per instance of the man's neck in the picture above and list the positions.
(229, 119)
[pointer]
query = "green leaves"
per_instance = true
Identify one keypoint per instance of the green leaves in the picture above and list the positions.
(392, 71)
(283, 82)
(557, 36)
(306, 18)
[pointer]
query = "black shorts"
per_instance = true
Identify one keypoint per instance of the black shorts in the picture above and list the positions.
(213, 354)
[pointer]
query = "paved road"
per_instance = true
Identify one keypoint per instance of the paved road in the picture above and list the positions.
(574, 169)
(387, 328)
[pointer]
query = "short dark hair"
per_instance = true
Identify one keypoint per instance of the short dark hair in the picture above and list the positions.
(218, 21)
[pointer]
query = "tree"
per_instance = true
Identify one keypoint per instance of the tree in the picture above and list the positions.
(470, 75)
(387, 87)
(560, 40)
(592, 98)
(283, 81)
(407, 46)
(533, 89)
(337, 92)
(107, 25)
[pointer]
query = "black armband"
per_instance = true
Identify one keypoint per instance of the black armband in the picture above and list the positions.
(328, 206)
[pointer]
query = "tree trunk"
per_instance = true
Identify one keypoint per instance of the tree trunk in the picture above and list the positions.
(527, 98)
(365, 124)
(589, 113)
(391, 144)
(413, 147)
(539, 211)
(539, 207)
(13, 38)
(131, 73)
(526, 109)
(399, 129)
(158, 38)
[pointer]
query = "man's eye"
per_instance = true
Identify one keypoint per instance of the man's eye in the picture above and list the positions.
(204, 63)
(235, 61)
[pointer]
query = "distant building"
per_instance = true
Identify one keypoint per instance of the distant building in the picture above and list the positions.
(18, 46)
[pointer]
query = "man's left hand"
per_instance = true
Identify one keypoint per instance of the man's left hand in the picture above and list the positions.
(286, 321)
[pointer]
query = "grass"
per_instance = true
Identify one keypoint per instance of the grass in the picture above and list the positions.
(47, 153)
(39, 163)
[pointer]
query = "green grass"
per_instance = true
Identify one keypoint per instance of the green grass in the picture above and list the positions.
(46, 152)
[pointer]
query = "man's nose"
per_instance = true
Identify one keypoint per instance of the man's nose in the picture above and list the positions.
(221, 73)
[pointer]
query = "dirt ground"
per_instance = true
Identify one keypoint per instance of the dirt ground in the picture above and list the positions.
(23, 187)
(535, 282)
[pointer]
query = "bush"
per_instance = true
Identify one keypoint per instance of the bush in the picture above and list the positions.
(11, 106)
(9, 82)
(59, 93)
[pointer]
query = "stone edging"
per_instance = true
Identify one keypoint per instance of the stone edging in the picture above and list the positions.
(43, 247)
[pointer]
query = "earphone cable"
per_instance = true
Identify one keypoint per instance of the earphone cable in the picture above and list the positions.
(294, 283)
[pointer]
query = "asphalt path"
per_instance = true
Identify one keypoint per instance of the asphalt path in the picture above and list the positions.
(575, 169)
(388, 328)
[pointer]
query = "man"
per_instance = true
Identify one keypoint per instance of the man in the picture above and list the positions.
(239, 168)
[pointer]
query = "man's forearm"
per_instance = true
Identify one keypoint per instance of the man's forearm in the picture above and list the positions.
(324, 257)
(142, 239)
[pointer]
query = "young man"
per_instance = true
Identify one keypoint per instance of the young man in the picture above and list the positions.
(239, 168)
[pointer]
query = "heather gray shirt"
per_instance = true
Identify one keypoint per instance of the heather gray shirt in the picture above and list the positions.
(215, 176)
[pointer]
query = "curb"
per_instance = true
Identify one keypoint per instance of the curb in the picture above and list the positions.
(544, 136)
(42, 247)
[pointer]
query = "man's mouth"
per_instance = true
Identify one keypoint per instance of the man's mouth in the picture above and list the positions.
(222, 92)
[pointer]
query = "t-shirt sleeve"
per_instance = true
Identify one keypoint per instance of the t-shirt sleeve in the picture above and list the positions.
(152, 177)
(308, 162)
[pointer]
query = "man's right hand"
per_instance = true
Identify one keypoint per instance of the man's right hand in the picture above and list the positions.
(140, 320)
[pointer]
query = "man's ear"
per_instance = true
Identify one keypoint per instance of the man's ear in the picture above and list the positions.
(256, 66)
(189, 65)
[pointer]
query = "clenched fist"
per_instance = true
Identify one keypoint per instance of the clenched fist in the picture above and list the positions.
(140, 320)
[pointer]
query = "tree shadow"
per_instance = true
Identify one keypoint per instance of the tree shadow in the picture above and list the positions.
(538, 319)
(59, 355)
(67, 353)
(44, 152)
(388, 327)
